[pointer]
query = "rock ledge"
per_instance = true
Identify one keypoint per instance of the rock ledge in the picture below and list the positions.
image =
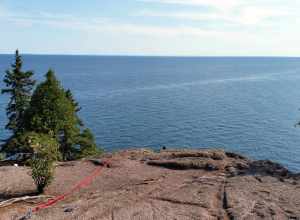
(170, 184)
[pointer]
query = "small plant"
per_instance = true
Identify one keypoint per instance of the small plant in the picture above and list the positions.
(46, 152)
(42, 172)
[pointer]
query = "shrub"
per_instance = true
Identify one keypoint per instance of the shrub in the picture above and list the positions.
(46, 152)
(42, 172)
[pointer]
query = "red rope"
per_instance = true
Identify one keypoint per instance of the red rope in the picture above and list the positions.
(83, 183)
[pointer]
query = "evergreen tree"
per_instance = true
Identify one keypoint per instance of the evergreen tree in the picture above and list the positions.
(85, 141)
(52, 113)
(19, 85)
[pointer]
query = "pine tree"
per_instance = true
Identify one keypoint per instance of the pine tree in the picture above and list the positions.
(19, 85)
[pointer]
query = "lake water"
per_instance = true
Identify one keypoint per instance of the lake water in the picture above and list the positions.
(246, 105)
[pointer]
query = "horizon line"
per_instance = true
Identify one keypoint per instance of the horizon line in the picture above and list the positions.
(146, 55)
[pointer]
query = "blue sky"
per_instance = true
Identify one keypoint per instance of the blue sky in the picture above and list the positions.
(152, 27)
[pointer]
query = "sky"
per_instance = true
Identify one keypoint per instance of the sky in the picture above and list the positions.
(151, 27)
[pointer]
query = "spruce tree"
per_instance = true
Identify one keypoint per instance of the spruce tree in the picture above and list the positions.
(19, 85)
(53, 111)
(50, 110)
(45, 124)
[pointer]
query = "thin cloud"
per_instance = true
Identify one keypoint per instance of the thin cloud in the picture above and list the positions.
(105, 25)
(51, 19)
(256, 15)
(162, 35)
(218, 4)
(239, 12)
(246, 16)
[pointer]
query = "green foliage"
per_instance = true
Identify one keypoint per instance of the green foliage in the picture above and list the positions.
(68, 140)
(2, 156)
(69, 136)
(42, 172)
(17, 144)
(52, 113)
(87, 144)
(50, 110)
(69, 96)
(46, 152)
(43, 145)
(47, 118)
(19, 85)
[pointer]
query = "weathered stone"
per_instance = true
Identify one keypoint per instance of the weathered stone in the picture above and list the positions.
(172, 184)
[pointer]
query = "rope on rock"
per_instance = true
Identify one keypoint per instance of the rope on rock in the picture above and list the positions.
(83, 183)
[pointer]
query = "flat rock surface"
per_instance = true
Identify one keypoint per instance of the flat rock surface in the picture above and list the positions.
(171, 184)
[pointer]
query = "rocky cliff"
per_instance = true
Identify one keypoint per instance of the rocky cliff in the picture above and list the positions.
(170, 184)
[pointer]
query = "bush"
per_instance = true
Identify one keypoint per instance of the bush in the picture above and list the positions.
(42, 172)
(46, 152)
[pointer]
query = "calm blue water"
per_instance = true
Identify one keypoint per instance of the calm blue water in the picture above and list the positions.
(247, 105)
